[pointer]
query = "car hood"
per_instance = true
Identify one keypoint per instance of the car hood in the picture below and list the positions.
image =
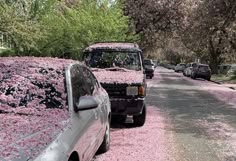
(25, 134)
(122, 76)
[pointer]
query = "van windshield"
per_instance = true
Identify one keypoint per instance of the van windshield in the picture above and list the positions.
(107, 59)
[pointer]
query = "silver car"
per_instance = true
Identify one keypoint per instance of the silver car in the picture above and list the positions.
(51, 110)
(180, 67)
(188, 70)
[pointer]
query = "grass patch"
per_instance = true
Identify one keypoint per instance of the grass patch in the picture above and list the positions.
(224, 78)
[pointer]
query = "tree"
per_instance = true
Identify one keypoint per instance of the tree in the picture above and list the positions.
(154, 17)
(15, 22)
(209, 32)
(62, 28)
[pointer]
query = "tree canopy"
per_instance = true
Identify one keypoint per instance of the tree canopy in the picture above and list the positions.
(184, 30)
(62, 28)
(187, 28)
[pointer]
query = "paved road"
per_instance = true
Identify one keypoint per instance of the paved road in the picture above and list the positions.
(191, 120)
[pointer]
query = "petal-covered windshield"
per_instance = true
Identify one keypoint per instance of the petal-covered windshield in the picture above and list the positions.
(31, 83)
(33, 104)
(113, 60)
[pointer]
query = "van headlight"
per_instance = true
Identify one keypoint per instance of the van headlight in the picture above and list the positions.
(132, 91)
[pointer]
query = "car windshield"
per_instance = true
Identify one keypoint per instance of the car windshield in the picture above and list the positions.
(147, 62)
(33, 105)
(111, 60)
(31, 84)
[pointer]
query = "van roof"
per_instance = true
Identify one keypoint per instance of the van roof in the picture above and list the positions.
(114, 46)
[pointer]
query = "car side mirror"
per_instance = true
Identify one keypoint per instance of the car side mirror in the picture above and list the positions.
(86, 103)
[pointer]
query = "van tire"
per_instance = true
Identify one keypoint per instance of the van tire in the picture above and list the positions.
(139, 120)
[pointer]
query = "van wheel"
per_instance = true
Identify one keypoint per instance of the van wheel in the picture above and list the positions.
(105, 146)
(139, 120)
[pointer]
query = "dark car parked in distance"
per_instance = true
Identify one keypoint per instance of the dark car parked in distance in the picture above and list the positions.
(149, 68)
(51, 110)
(201, 71)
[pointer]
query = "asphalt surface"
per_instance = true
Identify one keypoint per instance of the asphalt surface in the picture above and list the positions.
(186, 120)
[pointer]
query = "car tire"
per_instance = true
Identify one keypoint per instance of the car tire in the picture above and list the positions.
(193, 76)
(208, 78)
(139, 120)
(105, 146)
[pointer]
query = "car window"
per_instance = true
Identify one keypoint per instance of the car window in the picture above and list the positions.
(203, 68)
(80, 86)
(91, 80)
(147, 62)
(194, 65)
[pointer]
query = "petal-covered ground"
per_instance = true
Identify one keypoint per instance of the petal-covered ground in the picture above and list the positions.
(187, 120)
(221, 92)
(151, 142)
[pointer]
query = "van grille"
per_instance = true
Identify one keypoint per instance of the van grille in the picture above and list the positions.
(115, 90)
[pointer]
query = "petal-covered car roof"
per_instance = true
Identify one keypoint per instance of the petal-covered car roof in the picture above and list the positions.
(117, 46)
(33, 104)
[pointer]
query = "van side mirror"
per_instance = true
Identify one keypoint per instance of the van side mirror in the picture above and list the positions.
(85, 103)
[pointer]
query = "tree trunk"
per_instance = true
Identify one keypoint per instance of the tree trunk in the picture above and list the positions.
(214, 57)
(214, 64)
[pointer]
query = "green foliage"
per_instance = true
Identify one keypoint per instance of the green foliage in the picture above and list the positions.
(7, 52)
(60, 29)
(75, 28)
(16, 23)
(234, 75)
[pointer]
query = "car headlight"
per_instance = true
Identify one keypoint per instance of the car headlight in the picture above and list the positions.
(132, 91)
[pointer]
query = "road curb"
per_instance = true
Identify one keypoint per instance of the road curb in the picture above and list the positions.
(215, 82)
(233, 88)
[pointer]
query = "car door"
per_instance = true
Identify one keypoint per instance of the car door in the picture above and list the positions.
(84, 121)
(98, 126)
(98, 94)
